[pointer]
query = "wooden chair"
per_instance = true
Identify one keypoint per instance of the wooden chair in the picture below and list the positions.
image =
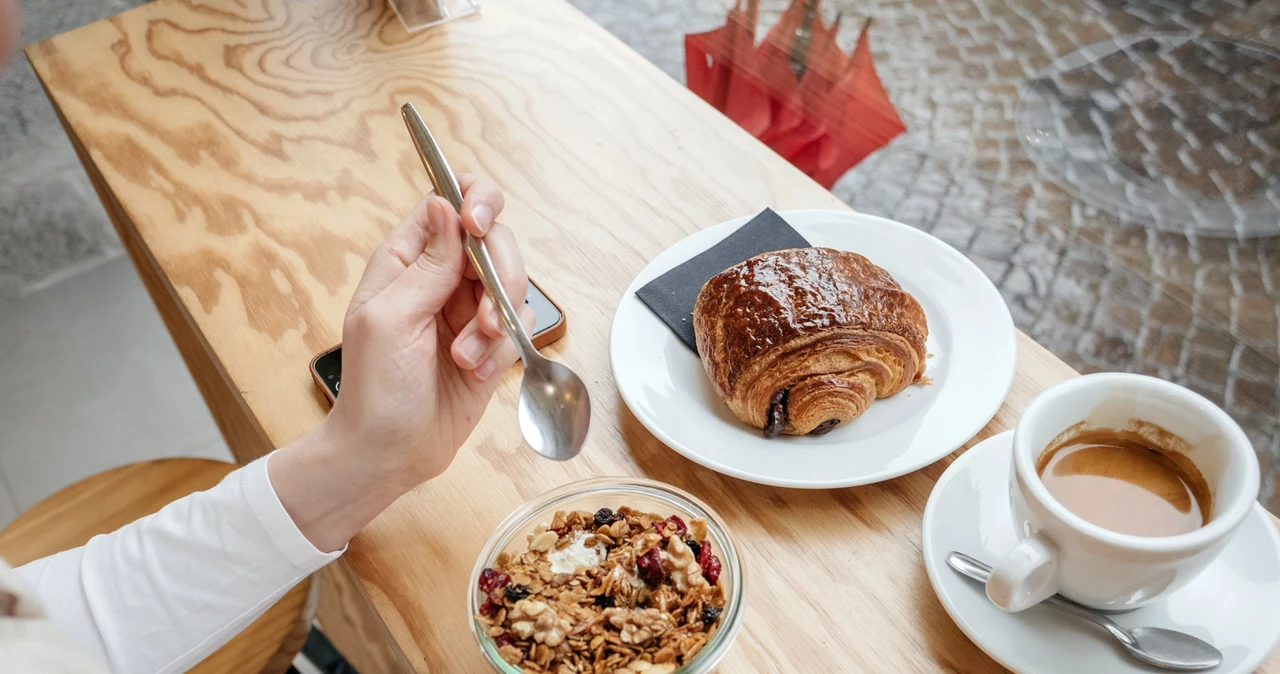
(107, 501)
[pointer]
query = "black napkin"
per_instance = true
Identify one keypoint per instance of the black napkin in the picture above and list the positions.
(672, 295)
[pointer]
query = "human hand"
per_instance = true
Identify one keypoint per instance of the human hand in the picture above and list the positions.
(423, 350)
(423, 345)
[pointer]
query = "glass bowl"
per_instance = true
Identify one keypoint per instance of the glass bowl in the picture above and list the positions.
(592, 495)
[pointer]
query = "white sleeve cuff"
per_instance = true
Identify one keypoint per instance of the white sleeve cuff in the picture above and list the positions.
(275, 520)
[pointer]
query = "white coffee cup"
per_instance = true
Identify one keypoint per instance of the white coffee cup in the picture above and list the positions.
(1060, 552)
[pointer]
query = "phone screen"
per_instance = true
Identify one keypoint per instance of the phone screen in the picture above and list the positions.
(327, 367)
(545, 314)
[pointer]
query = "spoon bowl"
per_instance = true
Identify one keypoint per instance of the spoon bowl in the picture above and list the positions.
(1176, 650)
(555, 408)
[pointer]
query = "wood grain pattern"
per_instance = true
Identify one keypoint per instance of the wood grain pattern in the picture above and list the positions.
(257, 155)
(350, 622)
(107, 501)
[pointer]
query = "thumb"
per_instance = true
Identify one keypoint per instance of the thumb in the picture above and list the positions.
(434, 271)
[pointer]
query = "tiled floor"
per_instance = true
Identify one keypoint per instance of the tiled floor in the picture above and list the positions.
(91, 381)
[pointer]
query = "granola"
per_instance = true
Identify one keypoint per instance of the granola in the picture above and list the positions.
(605, 593)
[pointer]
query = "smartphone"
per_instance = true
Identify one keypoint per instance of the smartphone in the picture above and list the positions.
(548, 326)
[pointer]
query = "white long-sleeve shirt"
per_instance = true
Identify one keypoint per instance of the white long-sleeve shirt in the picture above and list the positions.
(161, 594)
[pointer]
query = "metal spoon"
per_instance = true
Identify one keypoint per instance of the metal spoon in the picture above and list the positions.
(555, 407)
(1153, 645)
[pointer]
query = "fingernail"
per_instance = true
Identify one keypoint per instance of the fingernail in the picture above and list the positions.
(471, 348)
(486, 370)
(483, 217)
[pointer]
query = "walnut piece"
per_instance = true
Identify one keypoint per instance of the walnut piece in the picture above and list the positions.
(543, 541)
(534, 619)
(637, 626)
(685, 570)
(698, 529)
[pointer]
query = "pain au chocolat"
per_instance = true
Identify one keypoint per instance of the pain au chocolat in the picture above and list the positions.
(801, 341)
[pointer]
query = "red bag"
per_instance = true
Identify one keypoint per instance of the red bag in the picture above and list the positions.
(823, 121)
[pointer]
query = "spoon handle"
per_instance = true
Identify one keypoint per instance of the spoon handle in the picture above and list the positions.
(980, 572)
(446, 185)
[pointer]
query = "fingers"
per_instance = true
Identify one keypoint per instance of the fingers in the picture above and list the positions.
(509, 264)
(422, 256)
(473, 345)
(501, 353)
(393, 255)
(432, 261)
(482, 201)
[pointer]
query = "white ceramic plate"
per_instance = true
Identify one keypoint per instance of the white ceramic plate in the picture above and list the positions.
(971, 342)
(1232, 605)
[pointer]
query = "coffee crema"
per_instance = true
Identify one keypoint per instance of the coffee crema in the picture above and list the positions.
(1121, 481)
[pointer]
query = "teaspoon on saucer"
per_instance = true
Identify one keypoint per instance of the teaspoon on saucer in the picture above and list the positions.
(1153, 645)
(555, 407)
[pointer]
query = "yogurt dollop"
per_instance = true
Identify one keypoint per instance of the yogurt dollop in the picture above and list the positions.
(576, 555)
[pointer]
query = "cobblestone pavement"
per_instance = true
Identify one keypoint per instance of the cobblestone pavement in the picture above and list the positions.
(1098, 291)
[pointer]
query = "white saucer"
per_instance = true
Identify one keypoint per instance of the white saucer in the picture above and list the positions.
(1234, 604)
(971, 339)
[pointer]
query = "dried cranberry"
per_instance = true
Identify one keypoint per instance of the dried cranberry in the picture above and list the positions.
(710, 614)
(675, 523)
(516, 592)
(491, 580)
(650, 566)
(697, 549)
(605, 517)
(488, 608)
(603, 601)
(504, 640)
(711, 569)
(704, 553)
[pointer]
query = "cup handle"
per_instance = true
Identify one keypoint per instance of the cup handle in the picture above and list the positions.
(1026, 576)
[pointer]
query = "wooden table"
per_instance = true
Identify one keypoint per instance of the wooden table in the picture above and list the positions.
(252, 154)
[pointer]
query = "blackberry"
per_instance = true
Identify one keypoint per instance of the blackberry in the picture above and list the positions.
(603, 601)
(516, 592)
(695, 547)
(710, 614)
(605, 517)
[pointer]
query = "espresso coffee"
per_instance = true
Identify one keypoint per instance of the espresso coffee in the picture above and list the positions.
(1119, 480)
